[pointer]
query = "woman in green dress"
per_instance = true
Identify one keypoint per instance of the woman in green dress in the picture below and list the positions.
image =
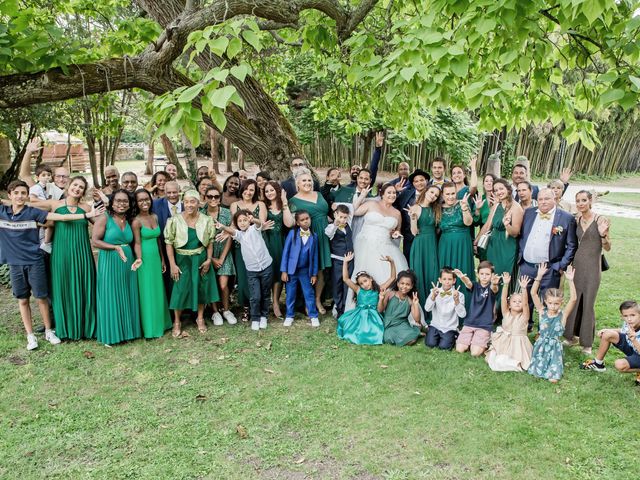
(189, 238)
(118, 311)
(154, 310)
(249, 201)
(222, 258)
(504, 222)
(73, 271)
(314, 203)
(424, 216)
(482, 207)
(401, 311)
(279, 216)
(455, 247)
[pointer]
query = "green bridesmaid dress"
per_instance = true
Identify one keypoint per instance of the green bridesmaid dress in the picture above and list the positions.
(193, 289)
(154, 310)
(274, 240)
(73, 279)
(117, 294)
(318, 212)
(424, 254)
(502, 250)
(397, 329)
(362, 325)
(227, 268)
(479, 220)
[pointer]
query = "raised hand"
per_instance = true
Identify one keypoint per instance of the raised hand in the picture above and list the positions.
(382, 293)
(458, 273)
(542, 269)
(456, 295)
(473, 162)
(570, 273)
(603, 228)
(491, 198)
(414, 211)
(379, 139)
(495, 279)
(283, 196)
(524, 281)
(401, 185)
(506, 219)
(631, 332)
(415, 300)
(268, 225)
(506, 277)
(34, 145)
(348, 257)
(478, 200)
(465, 199)
(565, 176)
(97, 211)
(386, 258)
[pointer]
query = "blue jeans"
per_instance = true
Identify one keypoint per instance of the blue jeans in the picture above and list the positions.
(260, 292)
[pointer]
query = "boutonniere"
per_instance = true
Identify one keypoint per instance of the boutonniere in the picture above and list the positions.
(557, 230)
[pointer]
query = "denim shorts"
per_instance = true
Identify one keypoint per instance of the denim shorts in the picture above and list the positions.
(631, 356)
(27, 279)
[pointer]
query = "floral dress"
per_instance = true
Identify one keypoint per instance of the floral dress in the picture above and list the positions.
(546, 361)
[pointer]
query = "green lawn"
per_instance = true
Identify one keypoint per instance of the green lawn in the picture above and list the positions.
(625, 199)
(298, 403)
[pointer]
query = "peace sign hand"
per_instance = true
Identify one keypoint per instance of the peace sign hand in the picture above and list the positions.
(401, 185)
(435, 290)
(456, 295)
(478, 200)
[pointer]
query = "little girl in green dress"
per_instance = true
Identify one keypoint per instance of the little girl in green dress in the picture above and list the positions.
(402, 312)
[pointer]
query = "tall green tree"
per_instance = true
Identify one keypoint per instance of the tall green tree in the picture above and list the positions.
(503, 59)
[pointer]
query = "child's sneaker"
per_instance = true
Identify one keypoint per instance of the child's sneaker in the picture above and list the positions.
(315, 322)
(50, 336)
(255, 326)
(217, 319)
(46, 247)
(32, 341)
(334, 312)
(263, 323)
(230, 317)
(288, 322)
(591, 364)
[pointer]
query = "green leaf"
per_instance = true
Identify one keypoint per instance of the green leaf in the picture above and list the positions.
(252, 39)
(430, 37)
(218, 119)
(485, 25)
(457, 49)
(235, 46)
(219, 45)
(611, 96)
(460, 66)
(190, 93)
(508, 57)
(237, 99)
(635, 81)
(592, 9)
(240, 71)
(408, 72)
(220, 98)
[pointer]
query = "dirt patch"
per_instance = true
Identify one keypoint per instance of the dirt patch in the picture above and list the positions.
(16, 360)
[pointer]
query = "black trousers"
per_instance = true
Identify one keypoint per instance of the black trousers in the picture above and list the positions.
(339, 288)
(260, 292)
(442, 340)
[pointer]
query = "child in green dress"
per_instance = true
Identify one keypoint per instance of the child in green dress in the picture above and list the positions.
(402, 313)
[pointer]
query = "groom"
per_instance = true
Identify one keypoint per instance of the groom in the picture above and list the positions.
(548, 236)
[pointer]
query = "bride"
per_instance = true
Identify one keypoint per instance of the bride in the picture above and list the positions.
(378, 238)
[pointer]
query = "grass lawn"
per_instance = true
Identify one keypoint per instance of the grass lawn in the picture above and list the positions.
(298, 403)
(625, 199)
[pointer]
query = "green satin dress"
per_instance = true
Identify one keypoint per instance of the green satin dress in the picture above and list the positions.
(397, 329)
(479, 220)
(502, 250)
(318, 211)
(362, 325)
(154, 309)
(274, 239)
(424, 254)
(193, 289)
(118, 311)
(73, 279)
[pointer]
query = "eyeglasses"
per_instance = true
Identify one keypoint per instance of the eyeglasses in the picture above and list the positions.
(61, 176)
(121, 200)
(211, 197)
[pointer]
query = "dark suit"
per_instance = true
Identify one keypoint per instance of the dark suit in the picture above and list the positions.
(405, 199)
(341, 243)
(300, 262)
(562, 248)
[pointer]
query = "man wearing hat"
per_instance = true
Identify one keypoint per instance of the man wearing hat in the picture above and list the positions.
(407, 196)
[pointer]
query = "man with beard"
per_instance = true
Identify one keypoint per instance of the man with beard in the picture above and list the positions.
(54, 190)
(407, 196)
(403, 173)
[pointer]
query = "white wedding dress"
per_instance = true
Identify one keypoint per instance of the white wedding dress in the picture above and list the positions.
(374, 240)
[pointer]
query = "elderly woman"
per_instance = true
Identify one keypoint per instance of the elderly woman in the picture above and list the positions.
(189, 238)
(202, 185)
(314, 203)
(593, 237)
(558, 187)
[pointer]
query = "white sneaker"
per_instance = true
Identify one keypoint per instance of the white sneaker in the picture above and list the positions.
(50, 336)
(46, 247)
(315, 322)
(230, 317)
(334, 312)
(263, 323)
(255, 326)
(32, 341)
(217, 319)
(288, 322)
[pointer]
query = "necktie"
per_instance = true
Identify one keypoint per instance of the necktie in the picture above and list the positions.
(544, 216)
(174, 210)
(305, 234)
(445, 293)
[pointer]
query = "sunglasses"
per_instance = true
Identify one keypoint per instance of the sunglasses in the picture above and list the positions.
(211, 197)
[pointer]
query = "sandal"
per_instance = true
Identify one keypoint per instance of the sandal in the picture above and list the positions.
(176, 331)
(320, 308)
(245, 315)
(202, 327)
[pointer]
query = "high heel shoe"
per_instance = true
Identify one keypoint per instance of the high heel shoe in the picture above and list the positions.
(202, 327)
(177, 329)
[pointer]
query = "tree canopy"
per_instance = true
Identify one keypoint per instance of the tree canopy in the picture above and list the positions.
(232, 64)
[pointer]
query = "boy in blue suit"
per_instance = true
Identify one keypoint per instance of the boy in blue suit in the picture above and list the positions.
(300, 265)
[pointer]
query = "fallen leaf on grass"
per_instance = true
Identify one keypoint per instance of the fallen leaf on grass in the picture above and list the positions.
(335, 347)
(223, 340)
(194, 361)
(241, 431)
(16, 360)
(183, 381)
(268, 346)
(88, 354)
(53, 405)
(384, 366)
(243, 350)
(167, 350)
(184, 335)
(269, 371)
(222, 357)
(300, 460)
(416, 393)
(200, 398)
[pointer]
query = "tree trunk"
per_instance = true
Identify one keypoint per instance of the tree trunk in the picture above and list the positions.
(12, 171)
(228, 153)
(241, 160)
(215, 154)
(171, 155)
(192, 161)
(5, 154)
(148, 169)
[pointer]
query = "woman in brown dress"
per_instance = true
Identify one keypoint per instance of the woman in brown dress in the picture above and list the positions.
(593, 237)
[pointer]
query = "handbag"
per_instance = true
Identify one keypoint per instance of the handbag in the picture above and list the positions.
(604, 265)
(483, 240)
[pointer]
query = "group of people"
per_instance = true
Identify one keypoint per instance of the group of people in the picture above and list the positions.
(400, 263)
